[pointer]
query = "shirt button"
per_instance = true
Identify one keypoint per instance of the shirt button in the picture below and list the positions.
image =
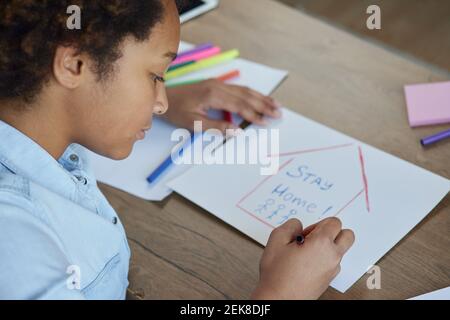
(114, 220)
(82, 179)
(74, 158)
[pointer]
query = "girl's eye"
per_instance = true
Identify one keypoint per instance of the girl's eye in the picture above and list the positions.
(157, 78)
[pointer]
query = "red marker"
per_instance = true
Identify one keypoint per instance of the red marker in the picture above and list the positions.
(228, 76)
(227, 116)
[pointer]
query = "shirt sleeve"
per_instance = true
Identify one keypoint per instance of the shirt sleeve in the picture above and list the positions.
(33, 264)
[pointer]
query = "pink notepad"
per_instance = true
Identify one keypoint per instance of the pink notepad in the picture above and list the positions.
(428, 103)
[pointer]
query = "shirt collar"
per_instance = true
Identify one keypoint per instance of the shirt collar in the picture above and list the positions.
(24, 157)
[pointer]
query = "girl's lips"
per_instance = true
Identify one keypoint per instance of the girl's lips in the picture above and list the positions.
(141, 134)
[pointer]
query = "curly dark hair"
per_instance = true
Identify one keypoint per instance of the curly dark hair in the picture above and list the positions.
(31, 30)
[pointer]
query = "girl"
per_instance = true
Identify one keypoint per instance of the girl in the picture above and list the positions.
(65, 90)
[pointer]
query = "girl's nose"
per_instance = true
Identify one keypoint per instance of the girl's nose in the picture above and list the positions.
(160, 108)
(162, 103)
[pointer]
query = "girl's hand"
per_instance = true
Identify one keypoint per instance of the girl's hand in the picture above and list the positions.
(292, 271)
(191, 102)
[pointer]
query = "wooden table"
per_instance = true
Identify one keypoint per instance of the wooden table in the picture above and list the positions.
(180, 251)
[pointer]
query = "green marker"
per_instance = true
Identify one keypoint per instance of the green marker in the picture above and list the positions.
(178, 66)
(203, 64)
(184, 83)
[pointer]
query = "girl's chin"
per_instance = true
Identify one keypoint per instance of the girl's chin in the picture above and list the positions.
(120, 154)
(117, 151)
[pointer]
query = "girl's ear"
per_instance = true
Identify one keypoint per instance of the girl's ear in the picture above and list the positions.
(68, 67)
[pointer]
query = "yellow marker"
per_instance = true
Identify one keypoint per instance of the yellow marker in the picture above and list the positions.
(203, 64)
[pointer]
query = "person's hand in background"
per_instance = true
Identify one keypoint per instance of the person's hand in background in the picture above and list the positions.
(191, 102)
(292, 271)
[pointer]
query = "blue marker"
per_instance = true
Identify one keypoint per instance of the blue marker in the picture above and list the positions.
(168, 162)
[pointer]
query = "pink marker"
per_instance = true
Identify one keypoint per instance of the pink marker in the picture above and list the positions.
(197, 56)
(198, 48)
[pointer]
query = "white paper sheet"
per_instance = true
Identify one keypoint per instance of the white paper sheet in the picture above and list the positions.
(130, 174)
(442, 294)
(380, 197)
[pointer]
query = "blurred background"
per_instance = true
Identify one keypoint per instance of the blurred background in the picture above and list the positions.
(418, 27)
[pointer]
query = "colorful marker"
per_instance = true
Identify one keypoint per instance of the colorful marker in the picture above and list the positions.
(198, 48)
(435, 138)
(203, 64)
(197, 56)
(225, 77)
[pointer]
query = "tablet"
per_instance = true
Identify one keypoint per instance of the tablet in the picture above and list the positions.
(193, 8)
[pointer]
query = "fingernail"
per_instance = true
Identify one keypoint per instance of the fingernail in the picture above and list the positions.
(277, 104)
(276, 113)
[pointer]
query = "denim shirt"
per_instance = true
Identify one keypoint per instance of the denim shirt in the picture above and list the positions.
(59, 237)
